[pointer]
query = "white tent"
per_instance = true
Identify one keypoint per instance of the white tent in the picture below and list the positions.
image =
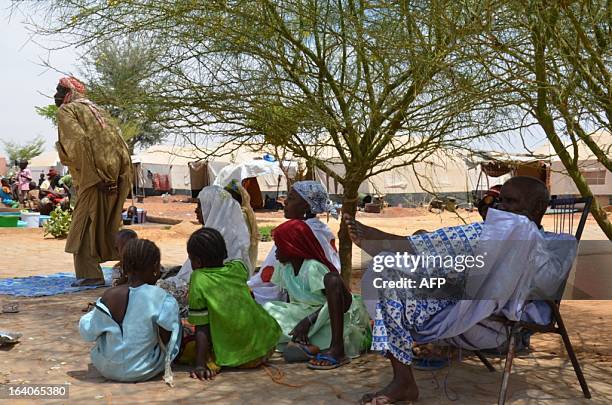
(43, 162)
(442, 173)
(164, 161)
(188, 169)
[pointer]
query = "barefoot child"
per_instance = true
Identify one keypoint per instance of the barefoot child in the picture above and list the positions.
(24, 177)
(135, 326)
(230, 325)
(121, 238)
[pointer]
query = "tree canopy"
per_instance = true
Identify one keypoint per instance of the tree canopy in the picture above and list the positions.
(24, 151)
(379, 84)
(120, 75)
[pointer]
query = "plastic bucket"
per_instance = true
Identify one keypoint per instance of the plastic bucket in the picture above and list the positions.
(141, 215)
(32, 219)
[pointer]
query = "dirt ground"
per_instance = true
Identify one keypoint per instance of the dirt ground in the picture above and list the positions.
(52, 352)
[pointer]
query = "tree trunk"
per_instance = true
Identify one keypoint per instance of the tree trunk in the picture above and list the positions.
(598, 213)
(585, 191)
(545, 119)
(349, 206)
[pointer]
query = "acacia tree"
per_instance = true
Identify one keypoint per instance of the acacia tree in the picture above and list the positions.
(552, 61)
(309, 76)
(24, 151)
(120, 74)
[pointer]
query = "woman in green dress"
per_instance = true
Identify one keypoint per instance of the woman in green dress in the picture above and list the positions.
(322, 321)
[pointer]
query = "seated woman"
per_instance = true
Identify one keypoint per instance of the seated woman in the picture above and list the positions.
(241, 195)
(135, 326)
(305, 200)
(229, 324)
(321, 313)
(216, 209)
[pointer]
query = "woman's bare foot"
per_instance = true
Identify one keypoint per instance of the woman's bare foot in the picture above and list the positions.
(402, 388)
(394, 392)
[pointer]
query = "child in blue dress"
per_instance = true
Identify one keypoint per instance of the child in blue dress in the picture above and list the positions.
(135, 326)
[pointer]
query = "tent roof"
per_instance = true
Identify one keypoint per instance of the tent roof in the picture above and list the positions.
(602, 138)
(177, 155)
(45, 160)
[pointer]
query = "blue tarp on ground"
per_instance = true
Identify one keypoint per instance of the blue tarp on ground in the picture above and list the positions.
(40, 286)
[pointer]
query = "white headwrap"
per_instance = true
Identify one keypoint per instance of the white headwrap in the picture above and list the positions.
(221, 212)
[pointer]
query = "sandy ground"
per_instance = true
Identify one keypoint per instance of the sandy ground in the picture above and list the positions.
(52, 352)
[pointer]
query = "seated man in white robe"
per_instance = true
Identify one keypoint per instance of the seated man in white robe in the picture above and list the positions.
(521, 263)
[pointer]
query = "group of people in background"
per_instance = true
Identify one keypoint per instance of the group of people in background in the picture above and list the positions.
(43, 195)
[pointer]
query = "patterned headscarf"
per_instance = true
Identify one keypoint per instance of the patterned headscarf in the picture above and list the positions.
(76, 93)
(315, 195)
(74, 86)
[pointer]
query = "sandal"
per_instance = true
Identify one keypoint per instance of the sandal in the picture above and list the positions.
(376, 398)
(299, 353)
(10, 308)
(380, 399)
(333, 363)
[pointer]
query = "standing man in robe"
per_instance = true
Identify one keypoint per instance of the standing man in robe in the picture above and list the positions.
(90, 144)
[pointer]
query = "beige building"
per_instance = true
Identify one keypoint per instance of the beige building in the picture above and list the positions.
(597, 176)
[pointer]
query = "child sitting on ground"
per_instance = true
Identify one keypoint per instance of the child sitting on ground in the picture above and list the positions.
(121, 238)
(229, 324)
(135, 326)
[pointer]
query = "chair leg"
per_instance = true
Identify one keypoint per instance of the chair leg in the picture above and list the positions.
(503, 390)
(570, 352)
(484, 361)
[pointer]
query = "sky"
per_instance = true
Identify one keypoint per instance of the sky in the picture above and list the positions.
(25, 83)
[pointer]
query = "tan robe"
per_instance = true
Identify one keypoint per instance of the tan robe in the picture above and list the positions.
(93, 154)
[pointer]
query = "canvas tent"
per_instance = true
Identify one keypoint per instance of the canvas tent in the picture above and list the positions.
(43, 162)
(495, 168)
(187, 172)
(441, 174)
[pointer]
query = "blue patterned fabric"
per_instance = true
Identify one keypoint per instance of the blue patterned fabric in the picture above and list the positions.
(315, 195)
(40, 286)
(398, 311)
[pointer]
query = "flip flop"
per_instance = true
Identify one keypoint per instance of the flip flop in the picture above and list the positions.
(379, 399)
(297, 353)
(9, 338)
(334, 363)
(10, 308)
